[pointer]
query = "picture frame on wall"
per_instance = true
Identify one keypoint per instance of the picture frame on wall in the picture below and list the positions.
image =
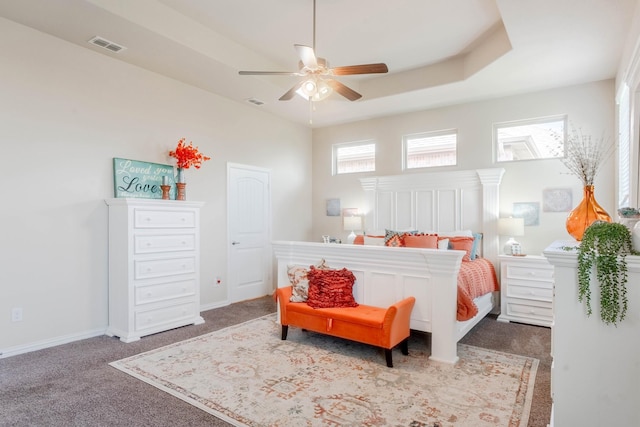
(530, 211)
(557, 200)
(333, 207)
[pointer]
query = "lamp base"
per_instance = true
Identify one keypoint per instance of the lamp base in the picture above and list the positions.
(351, 237)
(508, 246)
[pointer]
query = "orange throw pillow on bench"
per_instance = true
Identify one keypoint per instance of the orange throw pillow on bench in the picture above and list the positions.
(330, 288)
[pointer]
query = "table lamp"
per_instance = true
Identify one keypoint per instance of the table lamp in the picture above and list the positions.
(510, 227)
(352, 223)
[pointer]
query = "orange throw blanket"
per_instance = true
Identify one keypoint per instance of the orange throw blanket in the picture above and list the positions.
(475, 279)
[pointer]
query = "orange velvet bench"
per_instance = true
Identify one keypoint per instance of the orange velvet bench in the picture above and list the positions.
(381, 327)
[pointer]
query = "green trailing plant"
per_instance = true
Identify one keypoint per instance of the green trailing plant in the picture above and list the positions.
(605, 246)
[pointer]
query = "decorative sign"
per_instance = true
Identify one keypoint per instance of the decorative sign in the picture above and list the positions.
(132, 178)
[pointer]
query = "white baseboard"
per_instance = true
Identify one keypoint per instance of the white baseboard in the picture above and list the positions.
(214, 305)
(52, 342)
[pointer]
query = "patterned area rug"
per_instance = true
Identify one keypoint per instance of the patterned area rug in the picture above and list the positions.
(247, 376)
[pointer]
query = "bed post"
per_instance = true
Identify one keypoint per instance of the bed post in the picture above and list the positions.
(490, 179)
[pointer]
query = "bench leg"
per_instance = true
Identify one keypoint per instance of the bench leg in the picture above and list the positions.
(285, 329)
(389, 357)
(404, 346)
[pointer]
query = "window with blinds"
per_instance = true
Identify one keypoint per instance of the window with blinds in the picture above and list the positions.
(354, 157)
(431, 149)
(624, 148)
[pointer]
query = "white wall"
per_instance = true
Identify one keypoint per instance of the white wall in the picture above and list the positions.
(590, 106)
(65, 113)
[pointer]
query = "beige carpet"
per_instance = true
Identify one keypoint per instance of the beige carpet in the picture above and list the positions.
(247, 376)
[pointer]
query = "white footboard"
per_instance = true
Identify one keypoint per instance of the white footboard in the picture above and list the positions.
(385, 275)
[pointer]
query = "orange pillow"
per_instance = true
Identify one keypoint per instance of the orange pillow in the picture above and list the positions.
(425, 241)
(359, 240)
(462, 244)
(330, 288)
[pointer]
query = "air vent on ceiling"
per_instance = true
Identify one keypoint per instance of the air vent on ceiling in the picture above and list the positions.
(106, 44)
(255, 101)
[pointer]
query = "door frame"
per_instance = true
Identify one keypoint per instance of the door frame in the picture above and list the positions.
(269, 222)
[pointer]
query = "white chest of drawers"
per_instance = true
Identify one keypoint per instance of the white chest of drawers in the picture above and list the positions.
(154, 266)
(526, 290)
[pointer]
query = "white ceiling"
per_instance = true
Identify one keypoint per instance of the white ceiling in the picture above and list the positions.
(439, 52)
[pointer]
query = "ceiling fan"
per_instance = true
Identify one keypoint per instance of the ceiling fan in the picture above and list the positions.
(317, 82)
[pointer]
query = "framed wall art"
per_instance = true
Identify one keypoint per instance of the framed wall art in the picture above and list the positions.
(333, 207)
(530, 211)
(137, 179)
(557, 200)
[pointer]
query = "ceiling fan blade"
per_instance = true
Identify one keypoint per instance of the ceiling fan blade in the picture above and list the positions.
(360, 69)
(291, 92)
(307, 56)
(269, 73)
(343, 90)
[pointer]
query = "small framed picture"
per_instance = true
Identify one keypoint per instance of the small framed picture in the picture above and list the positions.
(530, 211)
(333, 207)
(557, 200)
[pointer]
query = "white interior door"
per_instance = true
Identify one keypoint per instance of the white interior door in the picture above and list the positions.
(249, 232)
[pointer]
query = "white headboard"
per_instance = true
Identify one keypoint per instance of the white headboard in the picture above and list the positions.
(437, 201)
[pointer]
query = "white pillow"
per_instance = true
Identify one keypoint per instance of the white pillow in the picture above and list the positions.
(443, 244)
(374, 241)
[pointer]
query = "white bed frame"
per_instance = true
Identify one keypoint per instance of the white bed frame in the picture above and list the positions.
(443, 201)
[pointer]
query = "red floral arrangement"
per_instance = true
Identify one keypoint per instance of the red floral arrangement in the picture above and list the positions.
(188, 155)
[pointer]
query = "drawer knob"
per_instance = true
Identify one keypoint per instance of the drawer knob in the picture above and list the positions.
(149, 294)
(184, 243)
(148, 269)
(148, 244)
(147, 219)
(183, 219)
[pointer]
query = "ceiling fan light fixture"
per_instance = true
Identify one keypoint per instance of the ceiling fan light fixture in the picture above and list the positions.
(314, 89)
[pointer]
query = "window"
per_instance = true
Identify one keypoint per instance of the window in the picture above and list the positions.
(530, 139)
(354, 157)
(624, 149)
(430, 149)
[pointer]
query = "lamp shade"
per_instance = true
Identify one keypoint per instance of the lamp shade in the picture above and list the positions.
(352, 223)
(511, 226)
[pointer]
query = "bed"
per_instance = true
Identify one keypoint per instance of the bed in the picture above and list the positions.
(434, 202)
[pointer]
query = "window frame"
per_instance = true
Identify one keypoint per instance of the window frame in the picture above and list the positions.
(526, 122)
(406, 139)
(334, 155)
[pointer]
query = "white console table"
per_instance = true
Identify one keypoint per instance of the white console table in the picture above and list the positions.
(595, 375)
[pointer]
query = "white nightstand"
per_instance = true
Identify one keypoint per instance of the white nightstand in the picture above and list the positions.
(526, 290)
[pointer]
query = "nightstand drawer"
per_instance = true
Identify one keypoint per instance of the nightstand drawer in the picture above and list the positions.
(539, 311)
(144, 218)
(164, 291)
(145, 244)
(539, 293)
(148, 269)
(529, 272)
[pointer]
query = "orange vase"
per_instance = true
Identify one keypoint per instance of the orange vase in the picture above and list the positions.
(587, 212)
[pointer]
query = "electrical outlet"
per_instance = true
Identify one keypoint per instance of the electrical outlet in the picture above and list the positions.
(16, 314)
